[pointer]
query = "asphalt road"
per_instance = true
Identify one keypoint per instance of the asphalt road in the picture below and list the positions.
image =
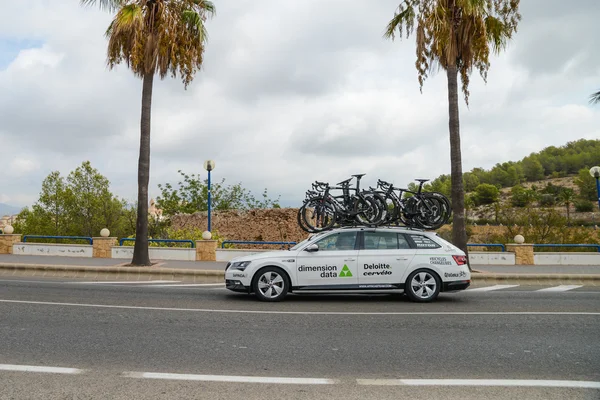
(352, 346)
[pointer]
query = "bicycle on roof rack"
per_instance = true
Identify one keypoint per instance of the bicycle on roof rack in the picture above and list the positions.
(384, 205)
(322, 210)
(424, 210)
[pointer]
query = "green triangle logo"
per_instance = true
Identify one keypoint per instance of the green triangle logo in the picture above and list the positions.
(345, 273)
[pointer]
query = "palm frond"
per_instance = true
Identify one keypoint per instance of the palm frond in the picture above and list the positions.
(496, 33)
(404, 18)
(595, 98)
(108, 5)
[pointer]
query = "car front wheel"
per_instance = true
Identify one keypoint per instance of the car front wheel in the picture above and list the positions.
(270, 284)
(423, 286)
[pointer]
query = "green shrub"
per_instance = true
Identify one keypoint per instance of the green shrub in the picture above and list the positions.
(547, 200)
(583, 206)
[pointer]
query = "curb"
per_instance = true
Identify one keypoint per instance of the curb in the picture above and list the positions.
(212, 276)
(112, 272)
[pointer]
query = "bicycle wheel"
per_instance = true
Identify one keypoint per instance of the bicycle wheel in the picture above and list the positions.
(318, 215)
(300, 219)
(430, 214)
(446, 205)
(366, 211)
(385, 205)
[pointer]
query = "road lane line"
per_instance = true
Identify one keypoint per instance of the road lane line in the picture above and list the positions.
(481, 382)
(225, 311)
(560, 288)
(229, 378)
(121, 282)
(490, 288)
(186, 285)
(35, 368)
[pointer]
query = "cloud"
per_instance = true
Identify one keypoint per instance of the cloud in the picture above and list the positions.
(290, 92)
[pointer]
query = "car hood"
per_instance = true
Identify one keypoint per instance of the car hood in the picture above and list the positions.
(265, 254)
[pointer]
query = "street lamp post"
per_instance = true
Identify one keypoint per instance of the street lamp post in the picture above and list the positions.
(209, 165)
(595, 172)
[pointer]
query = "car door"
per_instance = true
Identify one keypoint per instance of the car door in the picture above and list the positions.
(383, 259)
(333, 264)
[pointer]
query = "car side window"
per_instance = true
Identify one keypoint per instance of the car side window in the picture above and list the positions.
(403, 242)
(423, 242)
(381, 240)
(338, 241)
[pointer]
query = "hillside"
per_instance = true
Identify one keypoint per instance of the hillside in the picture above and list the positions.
(551, 162)
(6, 209)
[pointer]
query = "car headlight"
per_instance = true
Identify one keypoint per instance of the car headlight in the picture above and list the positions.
(240, 266)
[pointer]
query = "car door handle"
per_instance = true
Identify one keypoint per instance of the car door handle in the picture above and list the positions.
(350, 259)
(402, 258)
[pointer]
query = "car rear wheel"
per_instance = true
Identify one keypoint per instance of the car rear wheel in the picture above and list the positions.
(270, 284)
(423, 286)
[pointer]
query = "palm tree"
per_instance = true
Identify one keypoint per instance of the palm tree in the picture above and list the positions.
(566, 197)
(595, 98)
(457, 36)
(154, 37)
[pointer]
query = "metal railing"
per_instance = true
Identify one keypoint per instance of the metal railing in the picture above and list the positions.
(191, 242)
(255, 242)
(89, 239)
(596, 246)
(502, 247)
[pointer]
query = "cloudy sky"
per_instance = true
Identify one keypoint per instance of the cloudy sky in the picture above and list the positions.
(291, 91)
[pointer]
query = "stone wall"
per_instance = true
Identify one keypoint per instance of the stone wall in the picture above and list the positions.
(276, 225)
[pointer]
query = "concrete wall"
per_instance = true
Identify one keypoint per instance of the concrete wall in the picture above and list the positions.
(157, 253)
(567, 258)
(45, 249)
(491, 258)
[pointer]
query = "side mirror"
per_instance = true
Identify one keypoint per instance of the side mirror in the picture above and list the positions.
(312, 247)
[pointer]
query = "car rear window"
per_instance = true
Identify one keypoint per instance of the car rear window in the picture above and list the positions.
(423, 242)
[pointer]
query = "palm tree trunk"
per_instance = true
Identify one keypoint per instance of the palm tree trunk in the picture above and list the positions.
(459, 233)
(140, 250)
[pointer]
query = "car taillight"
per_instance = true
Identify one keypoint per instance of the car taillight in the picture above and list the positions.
(460, 260)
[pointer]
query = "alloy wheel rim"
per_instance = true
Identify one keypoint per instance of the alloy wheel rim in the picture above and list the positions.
(423, 285)
(271, 284)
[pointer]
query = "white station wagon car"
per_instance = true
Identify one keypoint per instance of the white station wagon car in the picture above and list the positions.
(421, 264)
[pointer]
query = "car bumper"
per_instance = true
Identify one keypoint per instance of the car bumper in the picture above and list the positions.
(455, 285)
(236, 286)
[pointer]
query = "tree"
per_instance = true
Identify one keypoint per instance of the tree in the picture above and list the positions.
(81, 205)
(586, 184)
(595, 98)
(532, 168)
(521, 197)
(456, 35)
(566, 197)
(191, 196)
(154, 37)
(486, 194)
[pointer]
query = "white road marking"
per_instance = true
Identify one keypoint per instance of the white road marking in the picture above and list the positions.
(122, 282)
(480, 382)
(35, 368)
(490, 288)
(226, 378)
(560, 288)
(186, 285)
(208, 310)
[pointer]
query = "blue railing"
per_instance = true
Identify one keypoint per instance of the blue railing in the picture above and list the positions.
(254, 242)
(596, 246)
(89, 239)
(191, 242)
(502, 247)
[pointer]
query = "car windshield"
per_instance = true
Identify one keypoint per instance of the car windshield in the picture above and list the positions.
(305, 241)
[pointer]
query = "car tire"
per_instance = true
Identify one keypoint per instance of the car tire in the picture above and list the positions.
(270, 284)
(423, 286)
